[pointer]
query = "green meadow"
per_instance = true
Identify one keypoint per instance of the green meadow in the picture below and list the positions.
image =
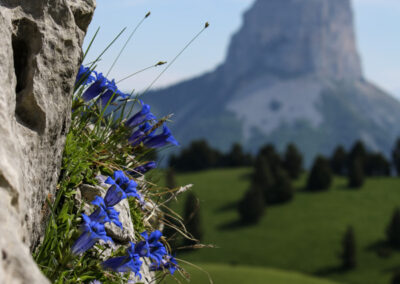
(303, 235)
(221, 273)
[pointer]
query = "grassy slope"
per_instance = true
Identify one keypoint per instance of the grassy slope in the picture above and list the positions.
(221, 274)
(303, 235)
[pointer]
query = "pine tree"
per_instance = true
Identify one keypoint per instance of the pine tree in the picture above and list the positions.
(320, 177)
(262, 178)
(393, 230)
(251, 207)
(356, 174)
(359, 152)
(348, 255)
(170, 180)
(236, 157)
(293, 161)
(396, 156)
(192, 218)
(282, 189)
(273, 158)
(338, 161)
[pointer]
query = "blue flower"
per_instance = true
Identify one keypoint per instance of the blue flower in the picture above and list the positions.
(168, 263)
(143, 168)
(111, 94)
(95, 282)
(126, 184)
(140, 134)
(143, 115)
(84, 76)
(155, 249)
(92, 232)
(114, 194)
(96, 88)
(129, 262)
(162, 139)
(104, 213)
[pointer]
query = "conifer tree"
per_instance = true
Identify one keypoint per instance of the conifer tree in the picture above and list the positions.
(320, 177)
(348, 255)
(262, 178)
(251, 207)
(273, 158)
(396, 156)
(236, 157)
(339, 161)
(293, 161)
(282, 189)
(192, 218)
(359, 152)
(356, 174)
(393, 230)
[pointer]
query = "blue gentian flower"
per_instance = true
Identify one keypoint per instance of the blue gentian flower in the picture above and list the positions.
(111, 94)
(92, 232)
(104, 213)
(130, 262)
(143, 168)
(84, 76)
(96, 88)
(126, 184)
(114, 194)
(162, 139)
(156, 249)
(168, 263)
(140, 134)
(143, 115)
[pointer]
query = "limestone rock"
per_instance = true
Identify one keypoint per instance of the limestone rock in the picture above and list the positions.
(40, 52)
(292, 37)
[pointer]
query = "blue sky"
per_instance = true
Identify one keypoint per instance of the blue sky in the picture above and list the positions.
(174, 22)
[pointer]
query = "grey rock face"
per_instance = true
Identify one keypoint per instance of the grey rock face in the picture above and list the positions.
(40, 52)
(287, 38)
(292, 74)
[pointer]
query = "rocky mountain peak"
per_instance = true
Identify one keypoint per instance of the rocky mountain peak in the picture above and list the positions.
(290, 38)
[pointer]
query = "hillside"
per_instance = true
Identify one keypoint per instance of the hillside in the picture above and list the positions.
(303, 235)
(292, 73)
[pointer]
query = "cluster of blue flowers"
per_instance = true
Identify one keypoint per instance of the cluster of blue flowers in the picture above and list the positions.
(93, 230)
(144, 132)
(143, 124)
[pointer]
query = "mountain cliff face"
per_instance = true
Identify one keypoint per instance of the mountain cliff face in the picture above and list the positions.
(292, 74)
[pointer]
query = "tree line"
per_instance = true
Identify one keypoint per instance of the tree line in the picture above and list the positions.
(201, 156)
(271, 181)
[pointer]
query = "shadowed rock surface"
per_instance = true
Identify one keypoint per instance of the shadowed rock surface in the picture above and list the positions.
(292, 74)
(40, 52)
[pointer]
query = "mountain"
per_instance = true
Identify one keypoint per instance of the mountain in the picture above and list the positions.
(292, 74)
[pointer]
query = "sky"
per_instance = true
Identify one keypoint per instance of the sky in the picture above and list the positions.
(173, 23)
